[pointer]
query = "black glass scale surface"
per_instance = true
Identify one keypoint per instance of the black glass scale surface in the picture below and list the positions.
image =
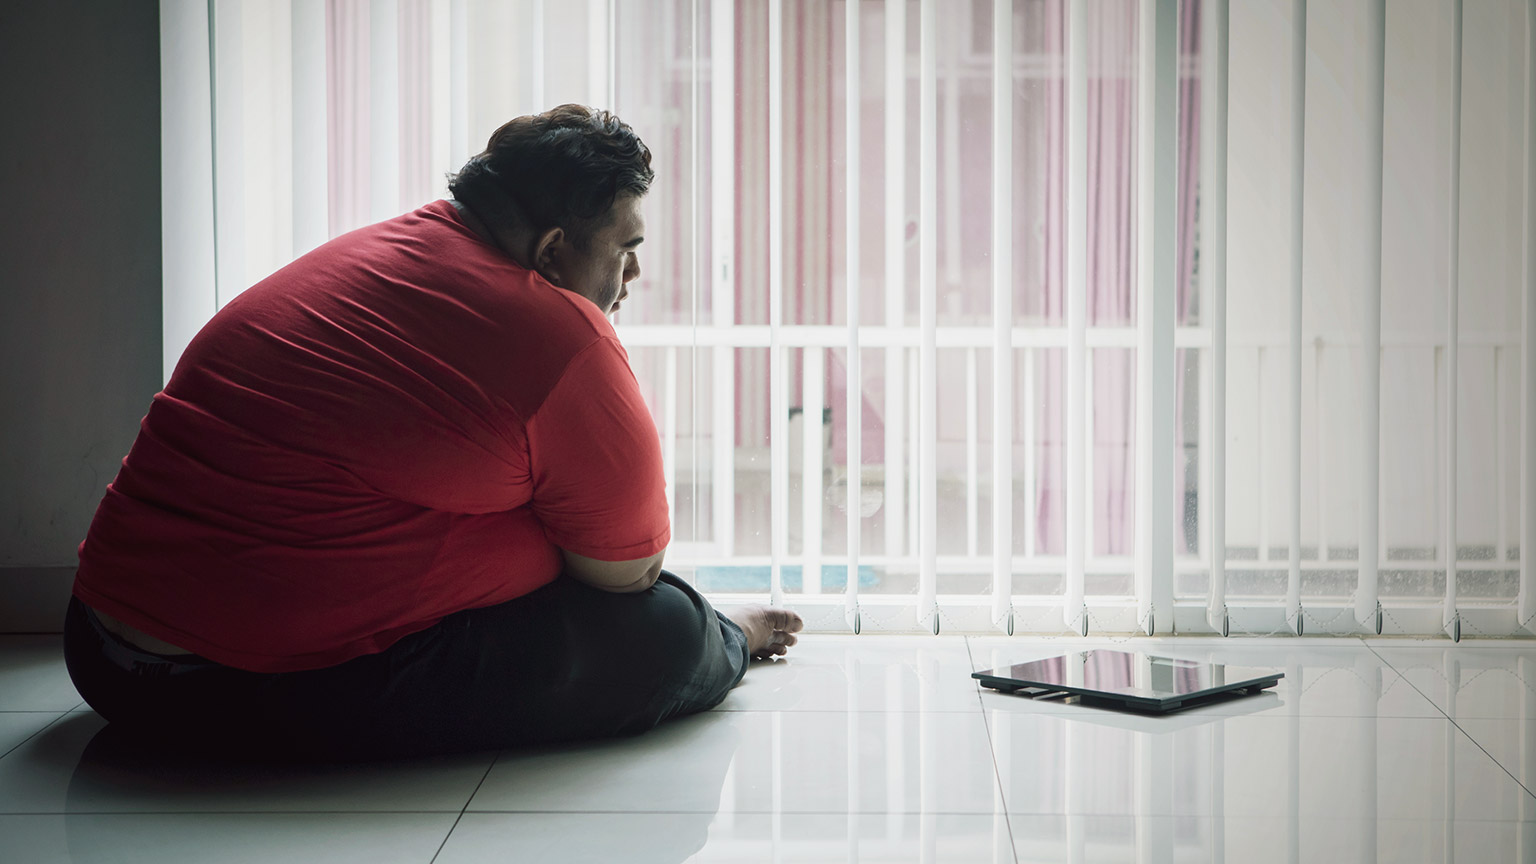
(1129, 680)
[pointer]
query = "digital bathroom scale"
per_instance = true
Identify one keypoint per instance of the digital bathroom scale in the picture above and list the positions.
(1124, 679)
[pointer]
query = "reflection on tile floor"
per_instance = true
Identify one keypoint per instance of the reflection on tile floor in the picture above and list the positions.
(855, 749)
(76, 766)
(32, 675)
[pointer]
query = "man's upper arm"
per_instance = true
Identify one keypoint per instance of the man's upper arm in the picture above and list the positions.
(598, 486)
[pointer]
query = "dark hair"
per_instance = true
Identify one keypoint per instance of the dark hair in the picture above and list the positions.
(563, 168)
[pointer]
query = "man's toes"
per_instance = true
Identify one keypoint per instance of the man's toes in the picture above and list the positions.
(786, 620)
(769, 651)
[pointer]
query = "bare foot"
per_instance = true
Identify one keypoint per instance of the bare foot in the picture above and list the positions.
(769, 631)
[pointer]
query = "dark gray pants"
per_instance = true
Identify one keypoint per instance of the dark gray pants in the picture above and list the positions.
(565, 662)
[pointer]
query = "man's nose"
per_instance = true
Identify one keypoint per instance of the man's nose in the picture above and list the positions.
(632, 272)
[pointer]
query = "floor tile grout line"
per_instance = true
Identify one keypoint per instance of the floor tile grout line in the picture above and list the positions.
(46, 726)
(228, 813)
(1422, 695)
(465, 808)
(997, 771)
(1491, 757)
(839, 711)
(753, 812)
(1452, 721)
(1516, 644)
(456, 820)
(1304, 820)
(747, 812)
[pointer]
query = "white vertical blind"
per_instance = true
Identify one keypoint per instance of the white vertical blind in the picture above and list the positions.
(384, 109)
(461, 143)
(928, 290)
(778, 371)
(600, 52)
(854, 386)
(812, 397)
(536, 46)
(229, 145)
(913, 378)
(1090, 438)
(1448, 497)
(1157, 281)
(1158, 598)
(299, 120)
(1002, 316)
(895, 271)
(972, 456)
(1213, 272)
(722, 209)
(1367, 608)
(311, 204)
(267, 128)
(1293, 613)
(1526, 600)
(188, 242)
(1075, 614)
(696, 264)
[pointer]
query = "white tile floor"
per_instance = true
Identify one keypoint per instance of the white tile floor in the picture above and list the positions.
(867, 749)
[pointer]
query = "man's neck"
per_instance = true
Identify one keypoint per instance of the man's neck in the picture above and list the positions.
(506, 243)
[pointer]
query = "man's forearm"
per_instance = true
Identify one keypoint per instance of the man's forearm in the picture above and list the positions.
(620, 577)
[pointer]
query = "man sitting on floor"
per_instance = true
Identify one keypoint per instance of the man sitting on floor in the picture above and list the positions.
(403, 496)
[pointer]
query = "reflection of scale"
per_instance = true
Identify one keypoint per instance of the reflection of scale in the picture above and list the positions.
(1132, 680)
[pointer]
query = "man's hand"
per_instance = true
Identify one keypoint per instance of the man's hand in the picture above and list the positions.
(620, 577)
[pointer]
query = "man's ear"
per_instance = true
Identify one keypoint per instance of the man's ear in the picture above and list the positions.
(548, 254)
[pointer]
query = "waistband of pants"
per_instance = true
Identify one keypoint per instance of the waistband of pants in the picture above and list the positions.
(131, 658)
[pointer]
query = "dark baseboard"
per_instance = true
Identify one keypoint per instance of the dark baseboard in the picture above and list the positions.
(32, 599)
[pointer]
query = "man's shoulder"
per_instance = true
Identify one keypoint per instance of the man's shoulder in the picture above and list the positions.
(414, 301)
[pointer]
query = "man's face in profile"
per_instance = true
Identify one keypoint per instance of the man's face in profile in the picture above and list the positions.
(609, 260)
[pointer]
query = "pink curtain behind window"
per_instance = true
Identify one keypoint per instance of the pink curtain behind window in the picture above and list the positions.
(1112, 181)
(1111, 273)
(347, 112)
(349, 96)
(1189, 201)
(418, 183)
(812, 149)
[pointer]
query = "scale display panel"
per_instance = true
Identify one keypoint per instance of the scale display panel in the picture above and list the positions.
(1129, 679)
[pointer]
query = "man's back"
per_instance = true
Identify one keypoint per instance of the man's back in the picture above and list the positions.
(356, 447)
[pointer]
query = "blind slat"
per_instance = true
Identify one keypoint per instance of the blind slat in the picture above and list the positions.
(1002, 316)
(928, 289)
(854, 387)
(1293, 613)
(1448, 494)
(1213, 271)
(1077, 504)
(1367, 608)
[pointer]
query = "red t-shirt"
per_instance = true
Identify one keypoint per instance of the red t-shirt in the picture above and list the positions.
(399, 425)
